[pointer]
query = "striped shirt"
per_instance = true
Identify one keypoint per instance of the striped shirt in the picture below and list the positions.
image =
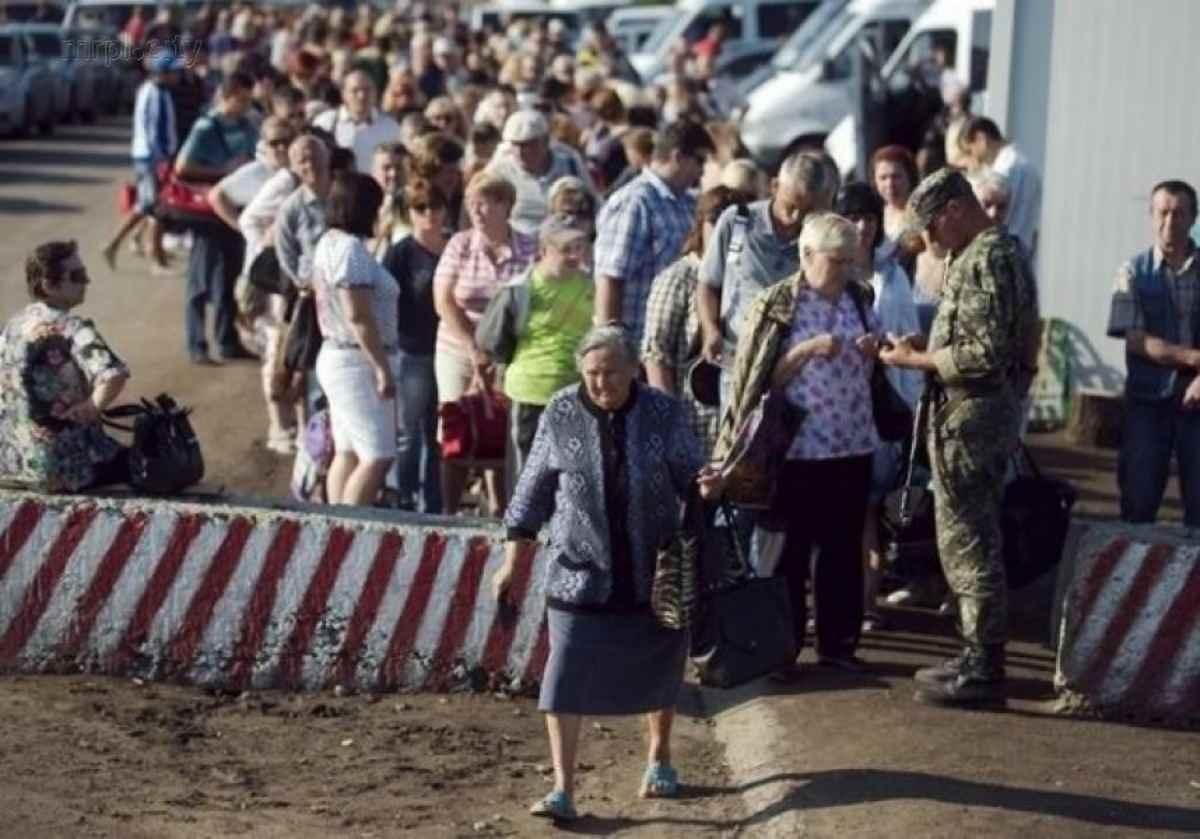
(467, 270)
(639, 233)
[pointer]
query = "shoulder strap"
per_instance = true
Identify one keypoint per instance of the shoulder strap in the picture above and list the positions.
(741, 226)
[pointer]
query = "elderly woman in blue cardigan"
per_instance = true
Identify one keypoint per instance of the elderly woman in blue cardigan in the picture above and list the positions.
(609, 468)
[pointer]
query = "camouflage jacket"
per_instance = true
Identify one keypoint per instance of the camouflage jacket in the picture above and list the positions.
(760, 343)
(985, 336)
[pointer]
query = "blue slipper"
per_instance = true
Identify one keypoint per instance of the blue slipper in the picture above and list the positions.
(660, 781)
(557, 806)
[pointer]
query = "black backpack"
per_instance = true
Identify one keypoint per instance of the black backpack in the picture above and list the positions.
(165, 457)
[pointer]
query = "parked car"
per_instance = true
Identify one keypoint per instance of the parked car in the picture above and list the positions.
(92, 47)
(74, 85)
(807, 89)
(633, 26)
(753, 28)
(952, 37)
(26, 86)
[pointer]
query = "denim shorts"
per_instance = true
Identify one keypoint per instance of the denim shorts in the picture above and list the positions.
(146, 183)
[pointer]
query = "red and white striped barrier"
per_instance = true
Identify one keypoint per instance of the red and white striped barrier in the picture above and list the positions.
(1129, 637)
(242, 598)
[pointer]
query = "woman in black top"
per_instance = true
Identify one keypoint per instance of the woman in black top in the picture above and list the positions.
(412, 261)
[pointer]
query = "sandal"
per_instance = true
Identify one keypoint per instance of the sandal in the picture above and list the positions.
(557, 806)
(660, 781)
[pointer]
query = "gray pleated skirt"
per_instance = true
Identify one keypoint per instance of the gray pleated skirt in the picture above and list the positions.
(611, 664)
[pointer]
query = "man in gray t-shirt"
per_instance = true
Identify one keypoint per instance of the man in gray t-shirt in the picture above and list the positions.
(753, 246)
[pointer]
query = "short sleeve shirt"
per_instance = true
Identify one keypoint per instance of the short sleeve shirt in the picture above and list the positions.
(49, 361)
(413, 267)
(214, 143)
(467, 269)
(744, 256)
(1183, 285)
(835, 392)
(640, 231)
(343, 261)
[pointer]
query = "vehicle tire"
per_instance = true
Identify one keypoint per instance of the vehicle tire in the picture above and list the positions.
(27, 122)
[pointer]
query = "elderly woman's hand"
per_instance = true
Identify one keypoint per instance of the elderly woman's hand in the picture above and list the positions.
(868, 345)
(83, 412)
(711, 482)
(823, 346)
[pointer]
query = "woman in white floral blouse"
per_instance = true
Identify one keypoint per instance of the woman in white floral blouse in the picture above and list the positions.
(56, 377)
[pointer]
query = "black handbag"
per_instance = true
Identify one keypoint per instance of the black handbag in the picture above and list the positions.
(743, 629)
(165, 456)
(893, 416)
(1036, 518)
(266, 275)
(303, 342)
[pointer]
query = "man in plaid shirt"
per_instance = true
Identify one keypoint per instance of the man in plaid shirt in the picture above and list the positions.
(642, 226)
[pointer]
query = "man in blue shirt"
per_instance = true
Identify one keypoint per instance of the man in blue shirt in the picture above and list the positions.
(1156, 310)
(219, 142)
(155, 139)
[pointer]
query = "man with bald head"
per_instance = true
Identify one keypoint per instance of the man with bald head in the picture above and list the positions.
(358, 124)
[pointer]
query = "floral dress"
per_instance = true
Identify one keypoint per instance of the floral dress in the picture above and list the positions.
(49, 361)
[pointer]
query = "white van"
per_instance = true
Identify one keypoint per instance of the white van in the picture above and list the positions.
(956, 31)
(632, 26)
(808, 87)
(755, 29)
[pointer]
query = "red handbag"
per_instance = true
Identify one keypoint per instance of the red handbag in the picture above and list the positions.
(126, 198)
(476, 426)
(183, 201)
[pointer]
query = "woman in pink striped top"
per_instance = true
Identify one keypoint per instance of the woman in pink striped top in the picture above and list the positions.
(475, 264)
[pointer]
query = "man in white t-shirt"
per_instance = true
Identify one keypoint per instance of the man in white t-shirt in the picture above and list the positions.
(358, 124)
(532, 162)
(982, 140)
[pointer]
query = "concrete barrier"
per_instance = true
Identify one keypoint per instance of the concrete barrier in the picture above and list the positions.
(243, 597)
(1129, 620)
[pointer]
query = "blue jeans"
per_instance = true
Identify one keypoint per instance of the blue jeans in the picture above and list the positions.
(212, 272)
(415, 473)
(1151, 433)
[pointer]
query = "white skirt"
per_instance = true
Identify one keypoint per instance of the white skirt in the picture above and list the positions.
(361, 422)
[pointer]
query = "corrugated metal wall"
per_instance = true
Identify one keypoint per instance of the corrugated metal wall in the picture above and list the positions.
(1124, 113)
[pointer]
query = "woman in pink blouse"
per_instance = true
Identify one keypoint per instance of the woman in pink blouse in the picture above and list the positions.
(814, 338)
(475, 264)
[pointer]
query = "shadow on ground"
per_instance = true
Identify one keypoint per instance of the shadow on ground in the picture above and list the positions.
(852, 787)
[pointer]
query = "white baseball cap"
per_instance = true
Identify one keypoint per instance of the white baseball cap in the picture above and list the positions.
(524, 126)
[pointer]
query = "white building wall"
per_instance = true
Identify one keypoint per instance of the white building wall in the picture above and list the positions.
(1122, 115)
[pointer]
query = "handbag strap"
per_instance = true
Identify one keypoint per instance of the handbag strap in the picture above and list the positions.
(919, 416)
(129, 411)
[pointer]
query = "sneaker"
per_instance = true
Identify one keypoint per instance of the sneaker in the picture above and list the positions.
(914, 595)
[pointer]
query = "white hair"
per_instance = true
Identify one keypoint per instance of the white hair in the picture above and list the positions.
(810, 173)
(827, 232)
(607, 337)
(989, 180)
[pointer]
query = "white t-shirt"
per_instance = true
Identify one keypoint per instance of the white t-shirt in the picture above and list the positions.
(360, 137)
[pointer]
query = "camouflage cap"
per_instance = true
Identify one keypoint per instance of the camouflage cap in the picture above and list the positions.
(932, 194)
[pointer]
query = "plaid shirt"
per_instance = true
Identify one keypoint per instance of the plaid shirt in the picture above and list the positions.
(672, 339)
(639, 232)
(474, 278)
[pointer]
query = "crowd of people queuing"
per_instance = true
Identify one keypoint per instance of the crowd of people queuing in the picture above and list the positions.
(487, 212)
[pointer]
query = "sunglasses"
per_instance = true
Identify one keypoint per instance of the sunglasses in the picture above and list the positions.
(426, 208)
(280, 142)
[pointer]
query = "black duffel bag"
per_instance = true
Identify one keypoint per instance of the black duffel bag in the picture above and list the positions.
(266, 275)
(165, 457)
(1036, 518)
(743, 629)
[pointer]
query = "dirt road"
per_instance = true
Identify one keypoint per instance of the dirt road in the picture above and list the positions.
(838, 755)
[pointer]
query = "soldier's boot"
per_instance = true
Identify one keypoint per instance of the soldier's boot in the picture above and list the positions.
(943, 671)
(979, 681)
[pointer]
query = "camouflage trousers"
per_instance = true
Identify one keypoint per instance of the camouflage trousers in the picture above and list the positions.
(970, 452)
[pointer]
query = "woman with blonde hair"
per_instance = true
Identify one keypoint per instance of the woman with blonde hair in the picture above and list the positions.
(444, 115)
(473, 267)
(813, 337)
